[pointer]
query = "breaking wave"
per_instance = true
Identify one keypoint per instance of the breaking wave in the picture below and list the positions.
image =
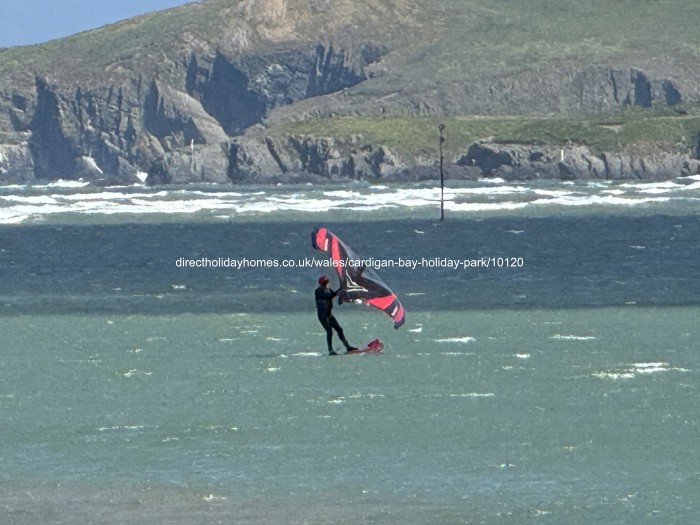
(19, 204)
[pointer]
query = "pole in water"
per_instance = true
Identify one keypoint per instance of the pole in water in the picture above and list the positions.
(441, 127)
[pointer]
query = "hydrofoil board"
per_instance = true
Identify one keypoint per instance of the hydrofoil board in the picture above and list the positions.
(373, 347)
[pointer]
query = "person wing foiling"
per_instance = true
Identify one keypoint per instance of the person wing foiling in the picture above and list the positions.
(324, 309)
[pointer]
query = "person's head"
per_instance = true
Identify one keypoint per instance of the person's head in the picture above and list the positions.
(323, 280)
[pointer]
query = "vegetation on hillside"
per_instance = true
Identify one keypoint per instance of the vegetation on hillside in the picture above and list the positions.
(633, 129)
(429, 39)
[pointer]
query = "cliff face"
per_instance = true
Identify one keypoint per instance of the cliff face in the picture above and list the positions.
(113, 132)
(302, 158)
(199, 108)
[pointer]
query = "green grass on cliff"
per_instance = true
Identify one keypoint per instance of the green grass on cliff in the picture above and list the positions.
(634, 129)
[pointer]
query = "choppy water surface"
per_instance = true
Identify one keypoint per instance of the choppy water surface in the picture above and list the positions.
(562, 390)
(64, 200)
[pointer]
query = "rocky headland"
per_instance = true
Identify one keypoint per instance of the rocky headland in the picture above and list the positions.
(247, 91)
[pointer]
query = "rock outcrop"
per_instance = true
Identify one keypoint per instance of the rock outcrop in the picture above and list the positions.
(520, 161)
(258, 157)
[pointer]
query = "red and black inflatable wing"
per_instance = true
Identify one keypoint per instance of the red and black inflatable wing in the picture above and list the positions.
(357, 282)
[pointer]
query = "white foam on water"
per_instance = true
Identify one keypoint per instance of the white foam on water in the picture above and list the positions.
(461, 340)
(661, 189)
(485, 206)
(489, 190)
(474, 395)
(108, 196)
(638, 369)
(614, 192)
(135, 372)
(138, 206)
(614, 375)
(36, 200)
(272, 205)
(60, 183)
(693, 186)
(212, 498)
(491, 196)
(650, 368)
(594, 183)
(552, 193)
(342, 194)
(13, 218)
(572, 337)
(209, 194)
(124, 427)
(605, 200)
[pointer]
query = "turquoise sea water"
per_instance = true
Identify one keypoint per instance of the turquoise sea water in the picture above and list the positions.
(565, 390)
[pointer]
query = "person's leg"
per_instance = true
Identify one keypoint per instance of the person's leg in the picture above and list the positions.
(341, 335)
(329, 333)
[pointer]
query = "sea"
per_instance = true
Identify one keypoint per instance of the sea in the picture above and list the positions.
(162, 362)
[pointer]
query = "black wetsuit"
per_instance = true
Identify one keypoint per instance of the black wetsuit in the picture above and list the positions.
(324, 308)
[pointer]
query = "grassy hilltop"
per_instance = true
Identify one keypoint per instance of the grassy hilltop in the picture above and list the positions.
(451, 38)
